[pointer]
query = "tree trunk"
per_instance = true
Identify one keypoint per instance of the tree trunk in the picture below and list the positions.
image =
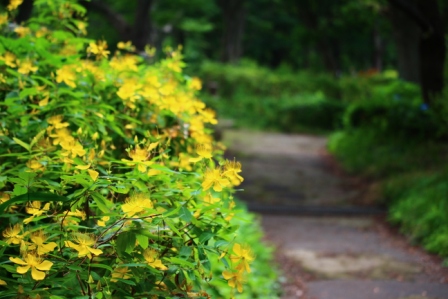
(431, 48)
(142, 24)
(25, 11)
(378, 48)
(407, 37)
(432, 52)
(234, 15)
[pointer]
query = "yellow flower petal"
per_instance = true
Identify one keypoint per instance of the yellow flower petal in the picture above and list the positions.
(44, 102)
(95, 251)
(93, 174)
(17, 261)
(194, 160)
(227, 274)
(2, 283)
(23, 270)
(36, 274)
(83, 167)
(237, 249)
(44, 266)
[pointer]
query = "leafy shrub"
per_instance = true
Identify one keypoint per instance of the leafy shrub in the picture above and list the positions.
(251, 79)
(412, 175)
(111, 185)
(420, 207)
(369, 152)
(397, 118)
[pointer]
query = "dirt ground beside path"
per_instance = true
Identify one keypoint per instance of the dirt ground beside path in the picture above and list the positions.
(327, 257)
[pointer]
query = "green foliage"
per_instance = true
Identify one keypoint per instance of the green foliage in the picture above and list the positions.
(111, 185)
(263, 282)
(371, 153)
(250, 78)
(420, 207)
(277, 100)
(412, 175)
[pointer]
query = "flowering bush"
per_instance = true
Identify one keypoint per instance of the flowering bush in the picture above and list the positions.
(111, 185)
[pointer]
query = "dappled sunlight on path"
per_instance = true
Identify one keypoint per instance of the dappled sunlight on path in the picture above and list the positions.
(326, 257)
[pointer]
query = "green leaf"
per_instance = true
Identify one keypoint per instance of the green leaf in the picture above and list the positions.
(180, 262)
(143, 241)
(102, 266)
(185, 251)
(27, 177)
(3, 181)
(27, 92)
(102, 203)
(37, 138)
(171, 224)
(205, 236)
(126, 242)
(185, 214)
(123, 189)
(23, 144)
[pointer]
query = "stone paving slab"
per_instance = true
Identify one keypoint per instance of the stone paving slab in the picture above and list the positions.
(327, 257)
(358, 289)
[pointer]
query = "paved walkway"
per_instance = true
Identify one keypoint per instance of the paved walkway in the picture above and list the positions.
(323, 254)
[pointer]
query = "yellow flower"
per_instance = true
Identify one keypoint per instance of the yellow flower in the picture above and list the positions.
(3, 283)
(3, 19)
(141, 155)
(73, 148)
(242, 256)
(26, 66)
(4, 197)
(126, 46)
(93, 174)
(103, 221)
(231, 170)
(34, 165)
(82, 26)
(84, 246)
(35, 263)
(120, 272)
(78, 213)
(63, 137)
(204, 151)
(209, 199)
(39, 238)
(9, 59)
(137, 204)
(124, 63)
(235, 279)
(13, 4)
(209, 116)
(213, 178)
(12, 234)
(34, 208)
(56, 121)
(22, 31)
(195, 83)
(150, 255)
(98, 49)
(42, 32)
(66, 75)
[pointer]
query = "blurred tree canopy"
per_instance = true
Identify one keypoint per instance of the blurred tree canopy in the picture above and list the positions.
(338, 36)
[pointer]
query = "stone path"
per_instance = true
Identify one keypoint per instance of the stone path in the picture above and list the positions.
(324, 256)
